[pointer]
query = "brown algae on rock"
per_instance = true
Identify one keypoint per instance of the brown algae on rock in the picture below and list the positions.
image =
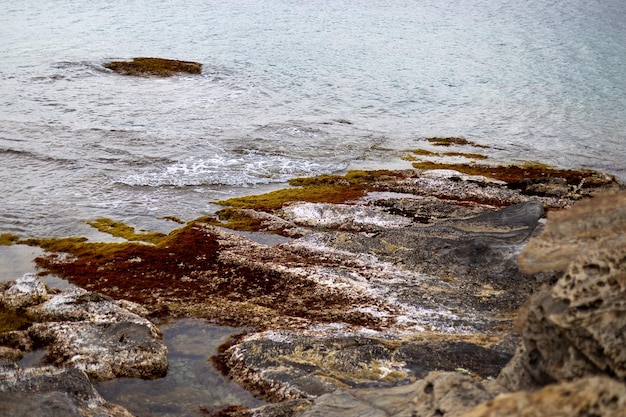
(321, 189)
(513, 174)
(7, 239)
(426, 152)
(449, 141)
(159, 67)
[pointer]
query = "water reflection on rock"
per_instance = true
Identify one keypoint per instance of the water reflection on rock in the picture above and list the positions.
(192, 383)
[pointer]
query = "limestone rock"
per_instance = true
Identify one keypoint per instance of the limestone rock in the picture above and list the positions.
(593, 396)
(578, 327)
(342, 217)
(445, 394)
(279, 366)
(52, 392)
(103, 350)
(87, 331)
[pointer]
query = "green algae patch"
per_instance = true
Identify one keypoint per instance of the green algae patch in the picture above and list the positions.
(122, 230)
(172, 219)
(8, 239)
(513, 174)
(158, 67)
(334, 189)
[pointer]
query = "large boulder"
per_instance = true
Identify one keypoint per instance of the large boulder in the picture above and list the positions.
(576, 328)
(279, 366)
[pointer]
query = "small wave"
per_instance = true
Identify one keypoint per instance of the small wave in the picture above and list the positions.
(249, 170)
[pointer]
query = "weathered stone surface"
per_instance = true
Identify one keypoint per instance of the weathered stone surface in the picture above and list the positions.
(447, 394)
(52, 392)
(28, 290)
(280, 366)
(593, 396)
(578, 327)
(87, 331)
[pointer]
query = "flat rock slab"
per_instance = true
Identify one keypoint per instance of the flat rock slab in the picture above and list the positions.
(279, 366)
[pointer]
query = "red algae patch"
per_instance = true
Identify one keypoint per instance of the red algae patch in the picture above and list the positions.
(159, 67)
(200, 271)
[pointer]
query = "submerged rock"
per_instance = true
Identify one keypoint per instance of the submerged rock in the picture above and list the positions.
(159, 67)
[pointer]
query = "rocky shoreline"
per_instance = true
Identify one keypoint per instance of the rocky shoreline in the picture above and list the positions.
(422, 292)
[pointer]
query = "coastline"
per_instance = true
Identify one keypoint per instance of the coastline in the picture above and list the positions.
(375, 278)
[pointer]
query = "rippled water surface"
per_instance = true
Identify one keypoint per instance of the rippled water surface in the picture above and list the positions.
(289, 88)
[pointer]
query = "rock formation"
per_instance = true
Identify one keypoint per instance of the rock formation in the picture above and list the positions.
(386, 279)
(576, 328)
(158, 67)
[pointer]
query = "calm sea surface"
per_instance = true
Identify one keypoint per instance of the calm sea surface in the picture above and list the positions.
(289, 88)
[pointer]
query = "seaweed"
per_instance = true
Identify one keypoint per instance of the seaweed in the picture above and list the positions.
(449, 141)
(516, 174)
(159, 67)
(8, 239)
(334, 189)
(119, 229)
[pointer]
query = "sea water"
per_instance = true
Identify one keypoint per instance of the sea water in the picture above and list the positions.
(289, 88)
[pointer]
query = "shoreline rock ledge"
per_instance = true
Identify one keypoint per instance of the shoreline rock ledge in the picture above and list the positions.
(388, 293)
(572, 360)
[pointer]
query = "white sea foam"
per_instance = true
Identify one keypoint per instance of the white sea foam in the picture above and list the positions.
(241, 171)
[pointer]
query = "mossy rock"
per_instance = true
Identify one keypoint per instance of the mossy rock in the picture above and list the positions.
(158, 67)
(530, 171)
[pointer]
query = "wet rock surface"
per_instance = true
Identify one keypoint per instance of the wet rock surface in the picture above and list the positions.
(389, 275)
(51, 392)
(294, 366)
(82, 336)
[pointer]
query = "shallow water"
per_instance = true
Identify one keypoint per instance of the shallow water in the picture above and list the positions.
(192, 384)
(288, 89)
